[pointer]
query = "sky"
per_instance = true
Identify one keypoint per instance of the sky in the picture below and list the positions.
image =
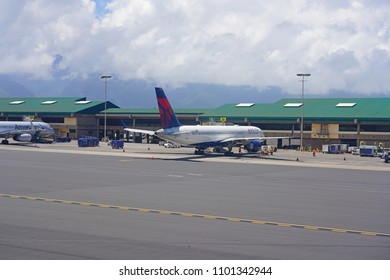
(343, 44)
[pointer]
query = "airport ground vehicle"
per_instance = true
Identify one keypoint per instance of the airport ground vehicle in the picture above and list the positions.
(368, 151)
(386, 156)
(335, 148)
(170, 145)
(290, 147)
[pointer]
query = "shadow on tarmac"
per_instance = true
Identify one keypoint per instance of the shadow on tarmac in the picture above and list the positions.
(236, 156)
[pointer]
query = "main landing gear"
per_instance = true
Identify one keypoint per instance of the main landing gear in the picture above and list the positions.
(230, 150)
(5, 142)
(199, 151)
(217, 149)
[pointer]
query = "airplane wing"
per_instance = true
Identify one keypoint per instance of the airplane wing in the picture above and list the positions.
(10, 133)
(7, 133)
(150, 132)
(180, 132)
(237, 139)
(134, 130)
(244, 139)
(276, 137)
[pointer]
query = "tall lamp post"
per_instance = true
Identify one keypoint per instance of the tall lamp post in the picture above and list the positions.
(303, 93)
(105, 77)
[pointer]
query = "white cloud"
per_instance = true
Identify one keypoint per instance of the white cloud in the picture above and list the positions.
(344, 44)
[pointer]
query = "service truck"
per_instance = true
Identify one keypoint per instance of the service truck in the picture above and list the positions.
(368, 151)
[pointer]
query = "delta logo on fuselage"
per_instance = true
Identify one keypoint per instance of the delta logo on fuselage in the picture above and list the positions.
(253, 130)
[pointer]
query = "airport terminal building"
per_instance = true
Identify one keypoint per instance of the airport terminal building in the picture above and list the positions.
(325, 120)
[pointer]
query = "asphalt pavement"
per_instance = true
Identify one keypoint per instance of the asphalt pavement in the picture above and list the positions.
(63, 202)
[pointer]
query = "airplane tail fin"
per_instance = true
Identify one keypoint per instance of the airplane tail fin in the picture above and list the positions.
(123, 124)
(167, 116)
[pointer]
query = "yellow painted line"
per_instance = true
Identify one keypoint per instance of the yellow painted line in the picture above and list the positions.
(67, 202)
(184, 214)
(187, 214)
(284, 225)
(339, 230)
(104, 206)
(311, 227)
(164, 212)
(233, 219)
(259, 222)
(209, 217)
(368, 233)
(85, 204)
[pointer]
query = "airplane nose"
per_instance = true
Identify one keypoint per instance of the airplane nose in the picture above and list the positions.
(49, 130)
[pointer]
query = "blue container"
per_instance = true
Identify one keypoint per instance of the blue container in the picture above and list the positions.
(117, 144)
(63, 139)
(335, 148)
(88, 141)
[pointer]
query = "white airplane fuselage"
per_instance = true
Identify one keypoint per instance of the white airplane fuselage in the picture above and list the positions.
(198, 136)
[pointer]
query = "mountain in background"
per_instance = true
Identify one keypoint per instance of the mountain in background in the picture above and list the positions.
(140, 94)
(136, 93)
(11, 88)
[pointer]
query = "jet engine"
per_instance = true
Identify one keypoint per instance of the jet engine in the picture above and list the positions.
(25, 137)
(253, 146)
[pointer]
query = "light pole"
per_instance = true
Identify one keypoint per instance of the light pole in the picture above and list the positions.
(105, 77)
(303, 93)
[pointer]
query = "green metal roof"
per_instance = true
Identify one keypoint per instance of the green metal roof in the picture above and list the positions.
(315, 109)
(51, 106)
(154, 111)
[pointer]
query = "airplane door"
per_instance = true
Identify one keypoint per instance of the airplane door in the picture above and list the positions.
(280, 143)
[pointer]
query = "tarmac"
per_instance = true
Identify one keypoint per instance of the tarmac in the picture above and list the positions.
(59, 201)
(153, 151)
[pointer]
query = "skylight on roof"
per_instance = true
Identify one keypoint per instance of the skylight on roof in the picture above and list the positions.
(83, 102)
(49, 102)
(17, 102)
(346, 105)
(245, 104)
(292, 105)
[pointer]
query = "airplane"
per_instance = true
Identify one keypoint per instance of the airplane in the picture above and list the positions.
(202, 137)
(24, 131)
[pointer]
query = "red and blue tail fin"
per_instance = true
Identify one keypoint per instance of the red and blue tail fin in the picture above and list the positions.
(167, 116)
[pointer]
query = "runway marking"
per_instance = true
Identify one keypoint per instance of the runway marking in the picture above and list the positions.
(184, 214)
